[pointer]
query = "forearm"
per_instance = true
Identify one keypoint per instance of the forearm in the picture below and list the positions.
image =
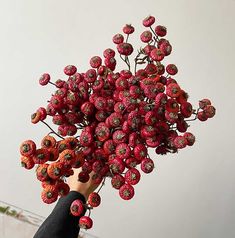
(60, 223)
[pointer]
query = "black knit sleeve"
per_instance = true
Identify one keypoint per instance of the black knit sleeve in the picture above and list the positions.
(60, 223)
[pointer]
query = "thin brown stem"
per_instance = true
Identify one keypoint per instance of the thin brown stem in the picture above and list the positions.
(103, 183)
(52, 83)
(52, 131)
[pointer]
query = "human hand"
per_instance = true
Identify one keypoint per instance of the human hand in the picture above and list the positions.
(84, 188)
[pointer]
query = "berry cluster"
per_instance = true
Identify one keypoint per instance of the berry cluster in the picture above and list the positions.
(120, 116)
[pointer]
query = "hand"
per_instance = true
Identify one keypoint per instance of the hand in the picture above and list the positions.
(84, 188)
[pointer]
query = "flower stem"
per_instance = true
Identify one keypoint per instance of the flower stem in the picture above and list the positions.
(52, 131)
(156, 36)
(103, 183)
(52, 83)
(195, 118)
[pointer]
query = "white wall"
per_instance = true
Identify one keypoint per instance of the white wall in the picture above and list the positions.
(11, 227)
(190, 194)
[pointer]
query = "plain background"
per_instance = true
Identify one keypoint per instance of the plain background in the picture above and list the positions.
(190, 194)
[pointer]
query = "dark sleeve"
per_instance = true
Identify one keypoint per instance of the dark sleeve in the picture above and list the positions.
(61, 223)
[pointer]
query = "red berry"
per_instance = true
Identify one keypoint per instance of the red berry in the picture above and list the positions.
(147, 131)
(173, 90)
(97, 166)
(76, 78)
(202, 116)
(146, 36)
(56, 102)
(49, 194)
(70, 70)
(171, 69)
(123, 151)
(79, 159)
(160, 69)
(83, 177)
(67, 156)
(181, 125)
(87, 108)
(77, 208)
(27, 162)
(162, 150)
(154, 141)
(171, 116)
(109, 53)
(148, 48)
(157, 54)
(97, 85)
(132, 176)
(102, 132)
(119, 137)
(36, 117)
(102, 70)
(118, 38)
(172, 105)
(131, 162)
(126, 192)
(94, 199)
(148, 21)
(49, 182)
(180, 142)
(41, 156)
(100, 103)
(128, 29)
(160, 30)
(151, 69)
(44, 79)
(160, 99)
(90, 76)
(147, 165)
(150, 118)
(119, 108)
(134, 139)
(190, 138)
(95, 62)
(209, 111)
(116, 166)
(125, 127)
(166, 48)
(125, 49)
(125, 73)
(27, 148)
(72, 98)
(183, 97)
(41, 172)
(140, 151)
(101, 116)
(134, 119)
(186, 109)
(97, 178)
(85, 222)
(60, 83)
(115, 119)
(55, 170)
(110, 63)
(204, 102)
(43, 113)
(51, 111)
(58, 119)
(109, 147)
(87, 167)
(117, 181)
(63, 189)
